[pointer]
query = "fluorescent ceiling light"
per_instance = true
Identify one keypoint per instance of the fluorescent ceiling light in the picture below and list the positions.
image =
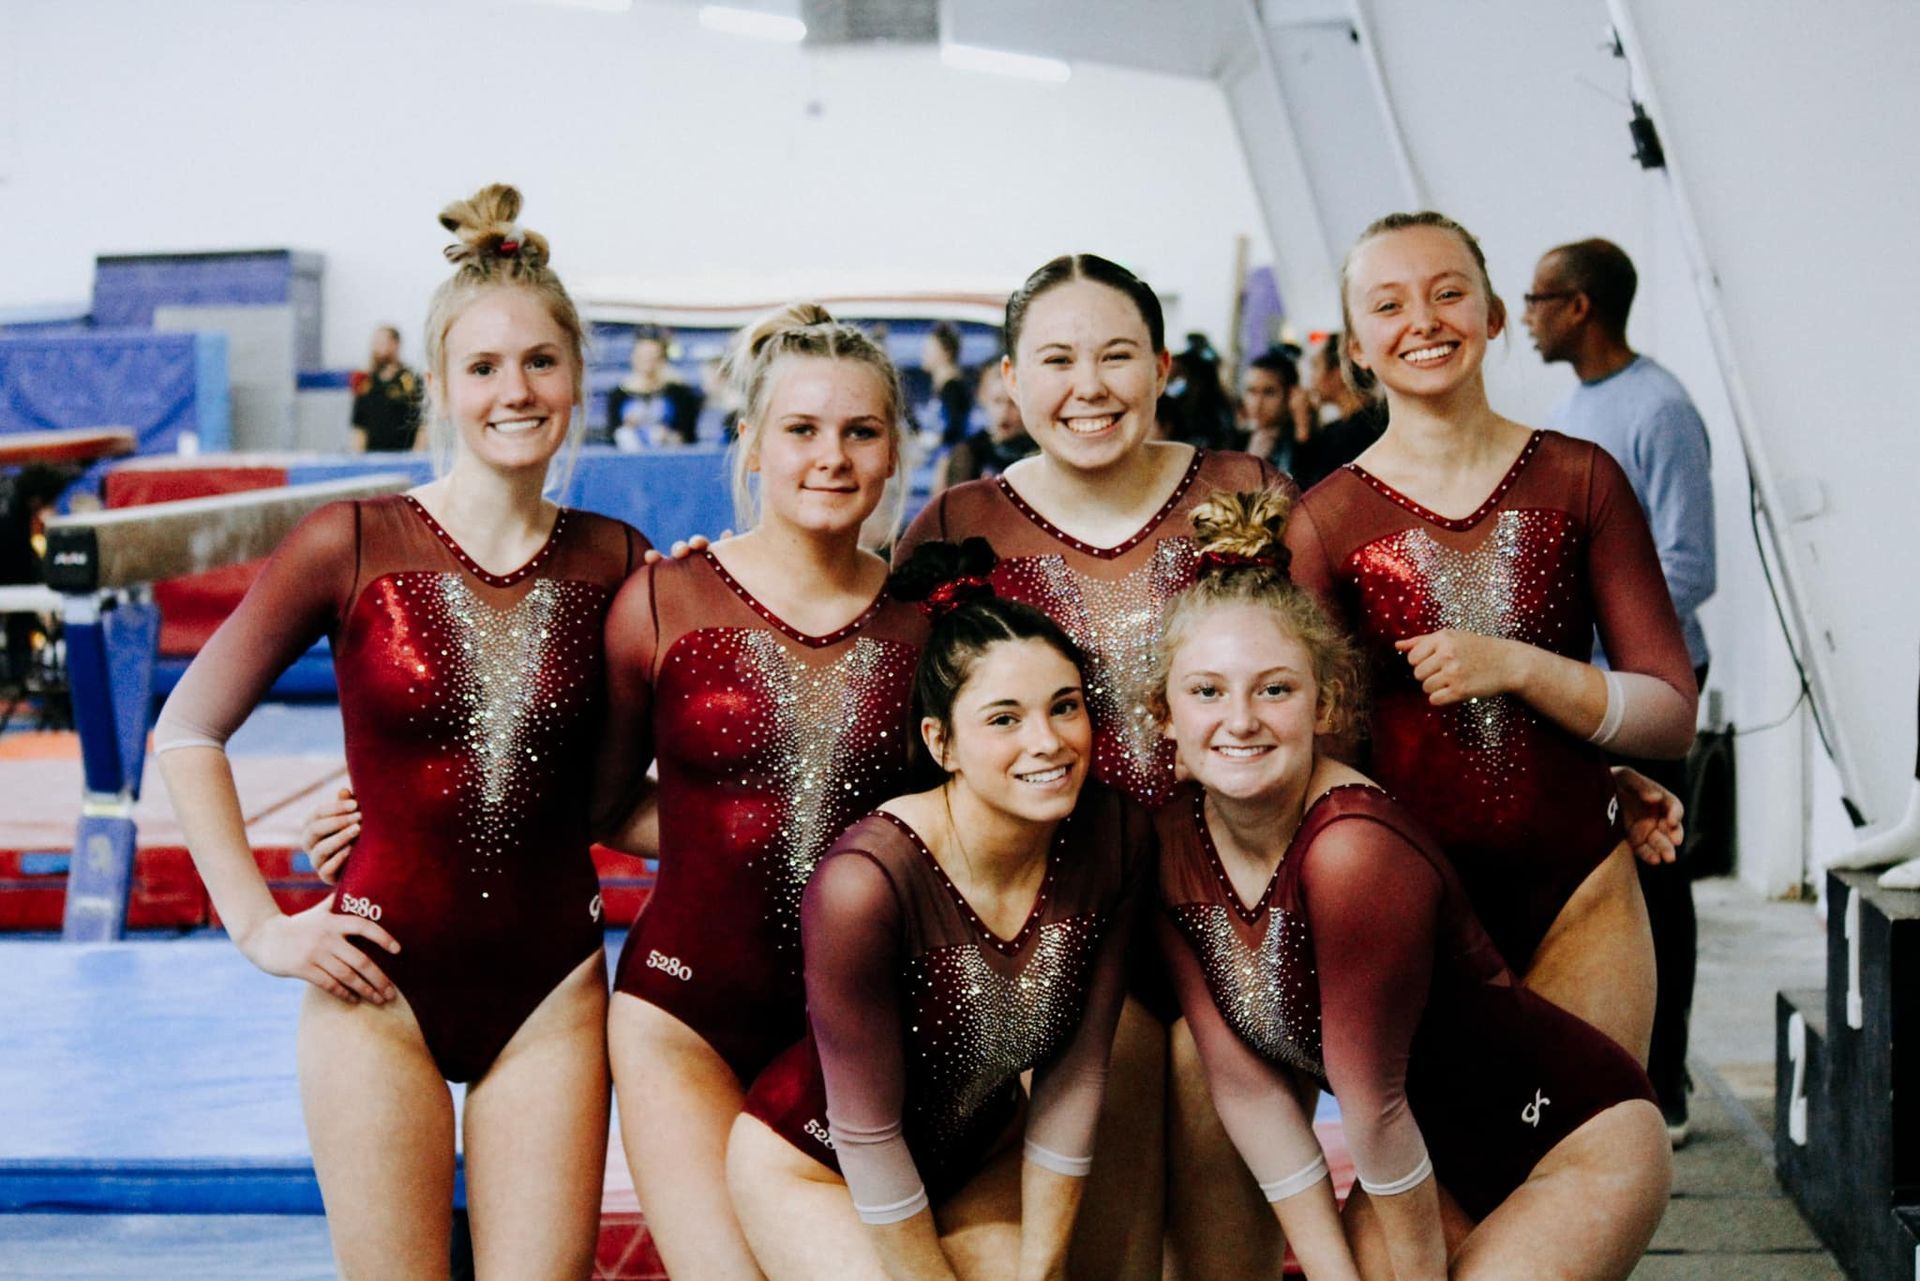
(752, 22)
(967, 57)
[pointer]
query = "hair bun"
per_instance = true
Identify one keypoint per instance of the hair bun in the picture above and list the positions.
(487, 226)
(1244, 531)
(944, 576)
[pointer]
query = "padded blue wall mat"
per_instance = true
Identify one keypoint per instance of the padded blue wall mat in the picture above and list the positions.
(159, 385)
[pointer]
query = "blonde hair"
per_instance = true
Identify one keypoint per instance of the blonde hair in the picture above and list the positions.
(1362, 379)
(806, 329)
(1246, 531)
(493, 251)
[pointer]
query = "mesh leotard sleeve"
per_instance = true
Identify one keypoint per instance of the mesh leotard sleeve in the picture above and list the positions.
(851, 924)
(1373, 903)
(1255, 1099)
(1312, 564)
(1067, 1092)
(1638, 628)
(297, 599)
(632, 641)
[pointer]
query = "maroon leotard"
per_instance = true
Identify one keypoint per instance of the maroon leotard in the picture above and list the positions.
(1363, 964)
(1524, 809)
(471, 707)
(769, 742)
(1109, 599)
(923, 1020)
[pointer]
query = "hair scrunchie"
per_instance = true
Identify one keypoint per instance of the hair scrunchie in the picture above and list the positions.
(954, 593)
(1278, 558)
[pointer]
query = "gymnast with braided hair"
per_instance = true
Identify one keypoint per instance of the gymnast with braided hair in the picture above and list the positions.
(955, 938)
(464, 942)
(1314, 930)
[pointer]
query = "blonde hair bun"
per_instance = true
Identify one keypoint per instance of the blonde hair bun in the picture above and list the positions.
(1250, 525)
(487, 226)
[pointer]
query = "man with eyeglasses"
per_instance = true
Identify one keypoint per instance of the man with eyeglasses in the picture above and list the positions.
(1638, 412)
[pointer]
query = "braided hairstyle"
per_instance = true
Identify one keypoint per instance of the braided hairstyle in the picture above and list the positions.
(1244, 561)
(950, 580)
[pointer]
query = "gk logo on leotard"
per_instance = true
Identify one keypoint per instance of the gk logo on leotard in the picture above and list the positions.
(360, 906)
(1531, 1113)
(671, 965)
(1613, 809)
(817, 1131)
(595, 908)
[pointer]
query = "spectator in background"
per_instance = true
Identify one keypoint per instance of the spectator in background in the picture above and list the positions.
(1276, 420)
(386, 400)
(1349, 421)
(27, 498)
(651, 406)
(1203, 412)
(997, 446)
(947, 412)
(1638, 412)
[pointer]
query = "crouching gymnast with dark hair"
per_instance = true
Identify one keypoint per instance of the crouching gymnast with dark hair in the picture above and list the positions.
(954, 939)
(1313, 928)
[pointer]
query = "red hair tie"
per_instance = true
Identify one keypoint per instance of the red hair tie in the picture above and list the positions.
(1277, 559)
(508, 248)
(954, 593)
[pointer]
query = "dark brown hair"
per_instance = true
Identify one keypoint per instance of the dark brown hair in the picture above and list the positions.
(1070, 267)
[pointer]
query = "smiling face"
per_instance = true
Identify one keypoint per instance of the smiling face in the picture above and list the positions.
(1421, 311)
(1086, 376)
(1243, 708)
(1018, 737)
(510, 380)
(824, 448)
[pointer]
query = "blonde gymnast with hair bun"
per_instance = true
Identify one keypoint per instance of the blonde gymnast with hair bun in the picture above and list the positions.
(1315, 931)
(464, 942)
(769, 676)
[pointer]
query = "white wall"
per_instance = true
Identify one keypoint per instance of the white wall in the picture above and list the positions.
(643, 143)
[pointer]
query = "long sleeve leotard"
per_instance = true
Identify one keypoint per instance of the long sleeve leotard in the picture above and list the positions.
(1525, 809)
(1363, 965)
(471, 704)
(923, 1019)
(1109, 599)
(769, 742)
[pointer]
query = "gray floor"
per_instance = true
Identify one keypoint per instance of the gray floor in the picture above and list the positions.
(1729, 1220)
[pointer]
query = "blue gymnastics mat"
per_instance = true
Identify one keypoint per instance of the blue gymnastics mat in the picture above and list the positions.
(170, 1247)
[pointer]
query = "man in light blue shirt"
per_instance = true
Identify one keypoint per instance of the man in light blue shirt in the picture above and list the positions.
(1638, 412)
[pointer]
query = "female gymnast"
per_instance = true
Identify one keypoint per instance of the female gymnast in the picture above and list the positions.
(770, 675)
(1474, 558)
(464, 942)
(1314, 930)
(1093, 531)
(955, 938)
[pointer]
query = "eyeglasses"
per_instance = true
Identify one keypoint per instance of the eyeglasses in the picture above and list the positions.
(1534, 300)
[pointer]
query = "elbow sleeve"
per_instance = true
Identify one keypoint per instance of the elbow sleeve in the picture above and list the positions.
(1299, 1181)
(1645, 716)
(879, 1170)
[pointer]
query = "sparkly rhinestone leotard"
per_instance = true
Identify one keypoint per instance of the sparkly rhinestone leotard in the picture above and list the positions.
(1363, 965)
(1524, 809)
(769, 742)
(1109, 599)
(471, 703)
(923, 1019)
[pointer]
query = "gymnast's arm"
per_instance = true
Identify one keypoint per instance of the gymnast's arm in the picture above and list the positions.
(296, 599)
(1065, 1107)
(624, 813)
(1644, 704)
(1265, 1119)
(1373, 905)
(851, 928)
